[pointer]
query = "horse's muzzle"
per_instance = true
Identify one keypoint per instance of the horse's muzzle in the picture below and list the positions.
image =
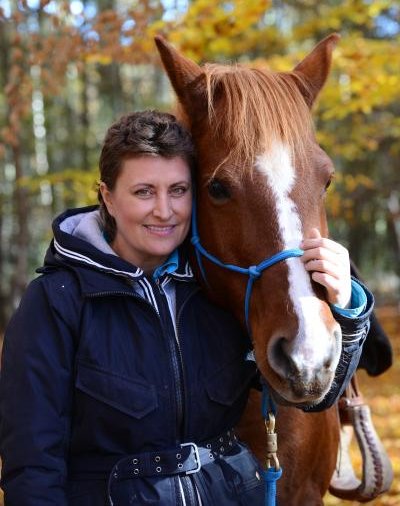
(304, 375)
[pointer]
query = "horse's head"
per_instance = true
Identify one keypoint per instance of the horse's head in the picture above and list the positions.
(261, 183)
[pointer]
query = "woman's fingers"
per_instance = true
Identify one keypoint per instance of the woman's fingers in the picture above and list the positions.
(329, 265)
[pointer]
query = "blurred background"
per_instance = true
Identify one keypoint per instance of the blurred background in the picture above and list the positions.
(70, 68)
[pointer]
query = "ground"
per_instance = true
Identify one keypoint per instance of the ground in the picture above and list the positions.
(383, 395)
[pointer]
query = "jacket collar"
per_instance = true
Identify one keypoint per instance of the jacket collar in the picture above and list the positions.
(70, 250)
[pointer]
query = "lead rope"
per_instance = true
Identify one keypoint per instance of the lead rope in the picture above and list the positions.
(273, 470)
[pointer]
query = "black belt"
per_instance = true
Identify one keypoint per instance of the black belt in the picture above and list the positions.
(186, 458)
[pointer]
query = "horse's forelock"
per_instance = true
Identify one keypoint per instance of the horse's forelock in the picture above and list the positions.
(258, 108)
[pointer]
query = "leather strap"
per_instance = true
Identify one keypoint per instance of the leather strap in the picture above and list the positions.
(186, 458)
(377, 472)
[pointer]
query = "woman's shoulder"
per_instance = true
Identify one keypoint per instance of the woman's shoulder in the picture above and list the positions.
(50, 306)
(55, 290)
(55, 280)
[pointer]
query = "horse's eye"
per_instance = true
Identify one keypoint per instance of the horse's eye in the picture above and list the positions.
(218, 190)
(329, 182)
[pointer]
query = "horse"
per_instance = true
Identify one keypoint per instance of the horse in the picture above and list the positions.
(260, 184)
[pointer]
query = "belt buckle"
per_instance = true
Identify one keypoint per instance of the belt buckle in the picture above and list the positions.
(196, 457)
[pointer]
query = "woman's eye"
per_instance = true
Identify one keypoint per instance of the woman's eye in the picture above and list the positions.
(218, 190)
(143, 192)
(179, 190)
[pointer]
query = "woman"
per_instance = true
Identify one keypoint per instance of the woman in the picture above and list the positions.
(121, 382)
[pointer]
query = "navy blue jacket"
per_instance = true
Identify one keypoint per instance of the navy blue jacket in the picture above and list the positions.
(93, 372)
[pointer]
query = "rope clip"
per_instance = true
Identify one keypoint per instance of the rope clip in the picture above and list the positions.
(272, 442)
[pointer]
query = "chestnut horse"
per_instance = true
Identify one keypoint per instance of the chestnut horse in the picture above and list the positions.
(260, 187)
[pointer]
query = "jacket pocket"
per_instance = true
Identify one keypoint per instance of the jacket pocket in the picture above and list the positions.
(230, 381)
(132, 397)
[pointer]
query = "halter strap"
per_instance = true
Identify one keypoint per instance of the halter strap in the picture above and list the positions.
(254, 271)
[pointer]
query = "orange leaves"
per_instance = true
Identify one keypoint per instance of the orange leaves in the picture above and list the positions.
(8, 137)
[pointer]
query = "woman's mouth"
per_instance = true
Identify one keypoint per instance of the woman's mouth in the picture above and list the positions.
(160, 230)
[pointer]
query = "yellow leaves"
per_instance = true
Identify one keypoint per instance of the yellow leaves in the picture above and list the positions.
(369, 76)
(352, 182)
(324, 18)
(157, 27)
(377, 6)
(365, 79)
(210, 30)
(220, 46)
(340, 196)
(100, 58)
(78, 185)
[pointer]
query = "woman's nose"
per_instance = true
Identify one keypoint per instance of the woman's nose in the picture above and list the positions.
(163, 207)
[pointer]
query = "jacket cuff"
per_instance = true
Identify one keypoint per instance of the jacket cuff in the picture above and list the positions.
(354, 328)
(358, 302)
(345, 370)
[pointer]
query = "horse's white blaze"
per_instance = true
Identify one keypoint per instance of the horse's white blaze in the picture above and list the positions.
(313, 343)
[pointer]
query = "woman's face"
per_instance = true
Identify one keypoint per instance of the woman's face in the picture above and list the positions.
(151, 204)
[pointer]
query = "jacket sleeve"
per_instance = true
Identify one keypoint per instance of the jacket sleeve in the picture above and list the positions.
(36, 399)
(354, 332)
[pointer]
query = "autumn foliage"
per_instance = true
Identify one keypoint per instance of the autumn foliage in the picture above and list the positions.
(69, 68)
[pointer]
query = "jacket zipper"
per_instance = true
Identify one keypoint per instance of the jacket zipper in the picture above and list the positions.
(177, 362)
(176, 358)
(175, 349)
(187, 487)
(188, 484)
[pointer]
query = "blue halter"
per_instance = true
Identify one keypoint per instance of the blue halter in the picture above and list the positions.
(254, 271)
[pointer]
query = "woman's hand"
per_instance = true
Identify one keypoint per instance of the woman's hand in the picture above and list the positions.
(329, 265)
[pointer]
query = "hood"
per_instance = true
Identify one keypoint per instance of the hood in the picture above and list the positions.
(79, 243)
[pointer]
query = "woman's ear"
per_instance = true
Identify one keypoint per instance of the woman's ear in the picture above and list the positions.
(106, 196)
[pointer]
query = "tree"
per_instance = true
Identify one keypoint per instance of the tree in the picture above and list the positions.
(69, 69)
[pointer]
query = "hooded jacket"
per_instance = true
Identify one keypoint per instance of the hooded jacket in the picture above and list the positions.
(95, 369)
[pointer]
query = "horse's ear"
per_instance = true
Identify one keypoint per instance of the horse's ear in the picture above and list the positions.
(314, 69)
(185, 75)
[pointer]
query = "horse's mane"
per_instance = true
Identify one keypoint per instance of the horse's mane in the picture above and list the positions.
(259, 108)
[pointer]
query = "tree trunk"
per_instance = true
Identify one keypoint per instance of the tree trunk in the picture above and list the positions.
(21, 237)
(85, 121)
(4, 65)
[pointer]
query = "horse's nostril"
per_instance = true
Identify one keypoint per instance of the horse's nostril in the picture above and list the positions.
(279, 357)
(288, 363)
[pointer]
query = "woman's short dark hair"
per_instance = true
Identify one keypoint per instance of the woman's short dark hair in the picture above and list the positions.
(146, 133)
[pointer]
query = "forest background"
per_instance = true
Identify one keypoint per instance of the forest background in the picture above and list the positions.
(70, 68)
